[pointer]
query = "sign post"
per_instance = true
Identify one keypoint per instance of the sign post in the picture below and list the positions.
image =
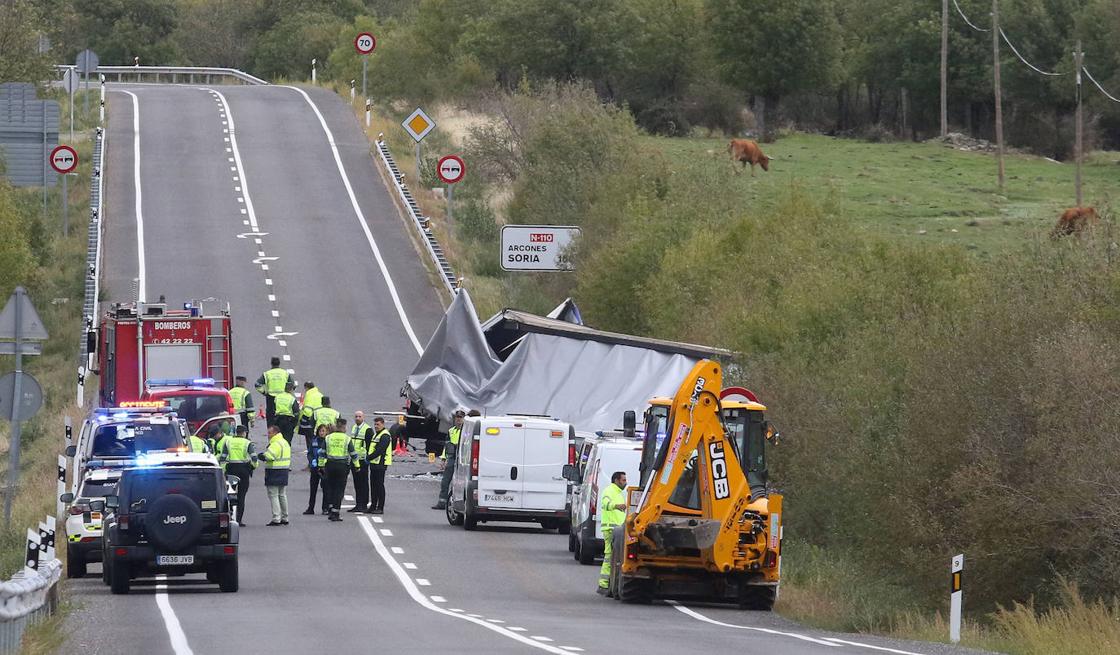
(314, 76)
(101, 111)
(537, 247)
(418, 125)
(955, 593)
(451, 170)
(364, 43)
(64, 160)
(87, 63)
(19, 321)
(70, 82)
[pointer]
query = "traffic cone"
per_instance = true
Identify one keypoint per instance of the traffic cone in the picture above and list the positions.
(260, 413)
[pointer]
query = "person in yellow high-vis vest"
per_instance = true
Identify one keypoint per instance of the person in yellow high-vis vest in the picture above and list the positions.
(286, 409)
(361, 433)
(450, 448)
(238, 456)
(335, 459)
(380, 459)
(271, 384)
(242, 400)
(312, 400)
(277, 460)
(612, 514)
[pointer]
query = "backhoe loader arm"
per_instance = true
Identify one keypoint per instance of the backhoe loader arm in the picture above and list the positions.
(694, 425)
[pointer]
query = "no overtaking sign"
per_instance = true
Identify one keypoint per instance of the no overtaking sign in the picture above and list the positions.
(64, 160)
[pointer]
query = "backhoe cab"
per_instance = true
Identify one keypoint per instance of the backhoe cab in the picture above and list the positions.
(702, 523)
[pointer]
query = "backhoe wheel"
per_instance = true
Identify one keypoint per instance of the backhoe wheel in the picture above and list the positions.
(635, 590)
(759, 599)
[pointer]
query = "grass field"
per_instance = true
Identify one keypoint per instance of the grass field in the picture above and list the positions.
(903, 188)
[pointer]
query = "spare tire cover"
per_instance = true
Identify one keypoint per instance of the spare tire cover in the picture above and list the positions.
(173, 522)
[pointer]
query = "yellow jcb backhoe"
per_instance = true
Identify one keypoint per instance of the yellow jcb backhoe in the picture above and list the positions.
(702, 523)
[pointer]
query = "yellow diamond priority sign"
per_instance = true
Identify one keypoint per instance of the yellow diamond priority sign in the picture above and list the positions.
(418, 124)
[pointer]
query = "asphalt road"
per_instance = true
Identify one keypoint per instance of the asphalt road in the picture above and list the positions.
(243, 198)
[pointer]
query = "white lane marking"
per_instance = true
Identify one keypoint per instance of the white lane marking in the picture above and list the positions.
(456, 609)
(477, 616)
(700, 617)
(362, 219)
(141, 265)
(422, 582)
(378, 519)
(426, 603)
(286, 358)
(538, 638)
(283, 344)
(175, 631)
(517, 628)
(238, 167)
(268, 281)
(386, 532)
(264, 267)
(271, 297)
(495, 621)
(439, 599)
(859, 645)
(574, 649)
(409, 565)
(397, 550)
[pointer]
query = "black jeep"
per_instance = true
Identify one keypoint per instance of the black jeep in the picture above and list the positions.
(170, 520)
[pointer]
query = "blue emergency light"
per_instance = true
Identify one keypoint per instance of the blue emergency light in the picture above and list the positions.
(181, 382)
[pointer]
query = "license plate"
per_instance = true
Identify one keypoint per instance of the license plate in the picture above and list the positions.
(174, 560)
(497, 498)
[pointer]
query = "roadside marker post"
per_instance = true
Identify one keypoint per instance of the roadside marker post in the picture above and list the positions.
(59, 507)
(956, 571)
(101, 114)
(314, 76)
(351, 91)
(367, 112)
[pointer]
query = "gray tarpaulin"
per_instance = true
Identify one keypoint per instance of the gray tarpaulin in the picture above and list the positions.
(550, 367)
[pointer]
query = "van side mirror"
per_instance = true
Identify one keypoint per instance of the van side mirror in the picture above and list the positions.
(91, 341)
(571, 473)
(233, 480)
(71, 451)
(97, 505)
(629, 423)
(67, 498)
(112, 501)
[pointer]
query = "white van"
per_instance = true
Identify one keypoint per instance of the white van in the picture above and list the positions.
(510, 468)
(607, 455)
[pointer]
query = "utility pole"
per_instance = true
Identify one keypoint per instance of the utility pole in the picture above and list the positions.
(998, 91)
(944, 67)
(1078, 61)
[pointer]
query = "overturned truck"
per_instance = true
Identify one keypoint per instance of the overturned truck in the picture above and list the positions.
(521, 363)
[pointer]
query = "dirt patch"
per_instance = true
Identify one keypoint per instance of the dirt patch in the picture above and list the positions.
(966, 143)
(457, 122)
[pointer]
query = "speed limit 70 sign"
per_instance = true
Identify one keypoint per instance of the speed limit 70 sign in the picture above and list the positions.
(63, 159)
(364, 43)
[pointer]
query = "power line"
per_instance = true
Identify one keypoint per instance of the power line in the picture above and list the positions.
(961, 12)
(1098, 85)
(1029, 64)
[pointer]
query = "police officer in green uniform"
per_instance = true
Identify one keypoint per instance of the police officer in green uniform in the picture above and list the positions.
(380, 459)
(286, 409)
(238, 456)
(312, 400)
(451, 448)
(325, 415)
(361, 433)
(242, 400)
(271, 383)
(612, 513)
(277, 460)
(335, 459)
(197, 444)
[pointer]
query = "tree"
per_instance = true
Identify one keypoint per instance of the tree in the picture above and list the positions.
(118, 30)
(773, 49)
(20, 26)
(214, 32)
(286, 50)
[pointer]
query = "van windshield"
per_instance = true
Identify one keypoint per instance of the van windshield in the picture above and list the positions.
(195, 409)
(130, 440)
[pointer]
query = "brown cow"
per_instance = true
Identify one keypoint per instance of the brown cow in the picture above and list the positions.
(1074, 220)
(746, 151)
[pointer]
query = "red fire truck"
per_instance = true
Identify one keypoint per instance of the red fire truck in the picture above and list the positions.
(138, 342)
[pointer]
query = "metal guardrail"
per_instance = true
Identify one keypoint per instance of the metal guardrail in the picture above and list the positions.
(177, 74)
(446, 273)
(93, 243)
(26, 599)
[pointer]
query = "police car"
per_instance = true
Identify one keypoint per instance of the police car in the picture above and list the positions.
(112, 437)
(83, 524)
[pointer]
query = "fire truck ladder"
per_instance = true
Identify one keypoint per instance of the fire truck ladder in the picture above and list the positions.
(217, 348)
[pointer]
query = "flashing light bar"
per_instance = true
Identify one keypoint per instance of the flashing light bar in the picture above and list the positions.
(181, 382)
(143, 404)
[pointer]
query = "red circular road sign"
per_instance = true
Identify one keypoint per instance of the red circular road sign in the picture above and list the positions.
(64, 159)
(364, 43)
(451, 169)
(741, 394)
